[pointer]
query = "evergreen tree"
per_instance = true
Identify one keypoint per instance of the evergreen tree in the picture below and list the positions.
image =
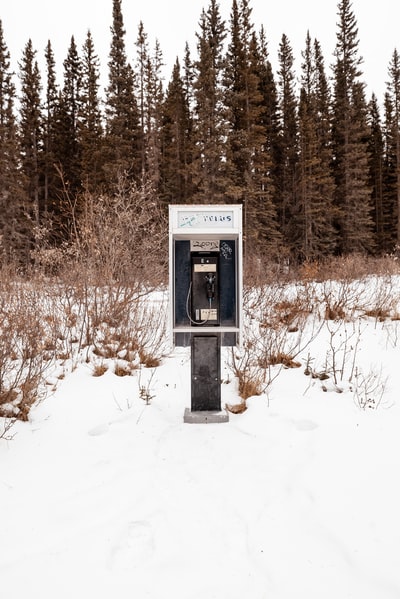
(269, 102)
(269, 150)
(376, 151)
(389, 192)
(49, 173)
(122, 132)
(322, 107)
(31, 132)
(243, 103)
(155, 96)
(313, 234)
(175, 186)
(394, 95)
(67, 145)
(142, 58)
(188, 78)
(90, 128)
(150, 94)
(350, 140)
(249, 133)
(209, 125)
(190, 148)
(286, 180)
(12, 225)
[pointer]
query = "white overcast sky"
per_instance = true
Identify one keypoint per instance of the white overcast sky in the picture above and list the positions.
(174, 22)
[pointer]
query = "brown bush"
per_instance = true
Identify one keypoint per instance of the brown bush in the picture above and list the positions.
(24, 355)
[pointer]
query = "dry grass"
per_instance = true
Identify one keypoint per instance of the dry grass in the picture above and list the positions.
(269, 270)
(148, 360)
(238, 408)
(123, 369)
(99, 369)
(281, 358)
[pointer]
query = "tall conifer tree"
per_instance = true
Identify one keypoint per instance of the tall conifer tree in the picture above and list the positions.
(175, 184)
(350, 139)
(209, 124)
(389, 175)
(249, 157)
(286, 188)
(313, 233)
(394, 96)
(31, 132)
(90, 128)
(51, 179)
(122, 133)
(12, 220)
(242, 101)
(264, 225)
(150, 94)
(67, 146)
(140, 84)
(270, 149)
(376, 151)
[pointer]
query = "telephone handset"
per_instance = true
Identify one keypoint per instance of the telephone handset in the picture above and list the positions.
(204, 290)
(210, 278)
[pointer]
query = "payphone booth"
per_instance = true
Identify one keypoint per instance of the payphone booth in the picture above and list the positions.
(205, 296)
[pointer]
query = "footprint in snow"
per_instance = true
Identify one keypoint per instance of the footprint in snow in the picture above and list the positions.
(98, 430)
(305, 425)
(134, 546)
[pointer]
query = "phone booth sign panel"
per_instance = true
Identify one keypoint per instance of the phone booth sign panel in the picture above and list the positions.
(205, 272)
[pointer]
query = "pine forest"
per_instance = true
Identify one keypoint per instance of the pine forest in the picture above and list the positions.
(313, 161)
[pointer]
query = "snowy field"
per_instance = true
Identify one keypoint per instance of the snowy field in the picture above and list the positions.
(103, 495)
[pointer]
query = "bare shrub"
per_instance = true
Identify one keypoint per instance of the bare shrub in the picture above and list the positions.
(291, 313)
(280, 321)
(392, 333)
(129, 329)
(150, 321)
(123, 237)
(288, 325)
(369, 389)
(87, 296)
(111, 321)
(23, 359)
(309, 369)
(310, 271)
(117, 256)
(339, 361)
(266, 269)
(342, 299)
(383, 298)
(7, 425)
(145, 392)
(280, 304)
(246, 369)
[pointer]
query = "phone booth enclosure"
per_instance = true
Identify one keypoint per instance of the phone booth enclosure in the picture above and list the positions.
(205, 291)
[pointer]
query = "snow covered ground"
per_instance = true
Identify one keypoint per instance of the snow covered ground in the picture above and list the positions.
(102, 495)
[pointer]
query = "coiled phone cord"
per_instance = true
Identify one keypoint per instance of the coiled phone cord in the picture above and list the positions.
(187, 307)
